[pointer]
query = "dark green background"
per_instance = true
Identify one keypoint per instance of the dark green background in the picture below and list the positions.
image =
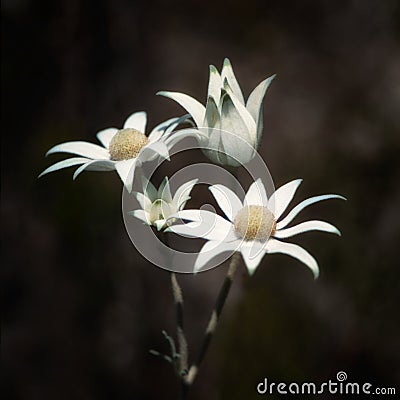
(81, 307)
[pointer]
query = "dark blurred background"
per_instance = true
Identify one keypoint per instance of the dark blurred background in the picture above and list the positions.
(81, 308)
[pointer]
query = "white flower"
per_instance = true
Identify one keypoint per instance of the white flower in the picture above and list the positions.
(123, 149)
(228, 126)
(254, 227)
(158, 206)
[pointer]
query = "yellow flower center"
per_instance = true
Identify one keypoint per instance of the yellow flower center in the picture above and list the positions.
(255, 223)
(126, 144)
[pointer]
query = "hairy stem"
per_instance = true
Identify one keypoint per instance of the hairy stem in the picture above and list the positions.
(181, 363)
(213, 322)
(188, 375)
(182, 343)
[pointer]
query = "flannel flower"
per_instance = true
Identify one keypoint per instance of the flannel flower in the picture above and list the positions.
(159, 205)
(122, 149)
(226, 124)
(254, 227)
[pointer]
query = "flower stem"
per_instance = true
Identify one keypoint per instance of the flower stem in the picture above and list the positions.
(184, 390)
(212, 324)
(182, 366)
(181, 363)
(188, 375)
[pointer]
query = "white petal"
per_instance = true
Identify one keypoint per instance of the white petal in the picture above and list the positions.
(210, 250)
(305, 203)
(255, 102)
(142, 215)
(227, 72)
(154, 150)
(126, 171)
(101, 165)
(279, 201)
(252, 257)
(213, 148)
(182, 194)
(164, 125)
(244, 113)
(143, 200)
(164, 191)
(227, 200)
(201, 216)
(155, 135)
(231, 119)
(235, 151)
(305, 227)
(205, 217)
(176, 137)
(191, 215)
(234, 139)
(185, 119)
(214, 84)
(106, 135)
(148, 189)
(160, 224)
(191, 105)
(293, 250)
(160, 210)
(256, 195)
(183, 202)
(137, 121)
(161, 129)
(84, 149)
(70, 162)
(81, 169)
(95, 165)
(202, 231)
(212, 117)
